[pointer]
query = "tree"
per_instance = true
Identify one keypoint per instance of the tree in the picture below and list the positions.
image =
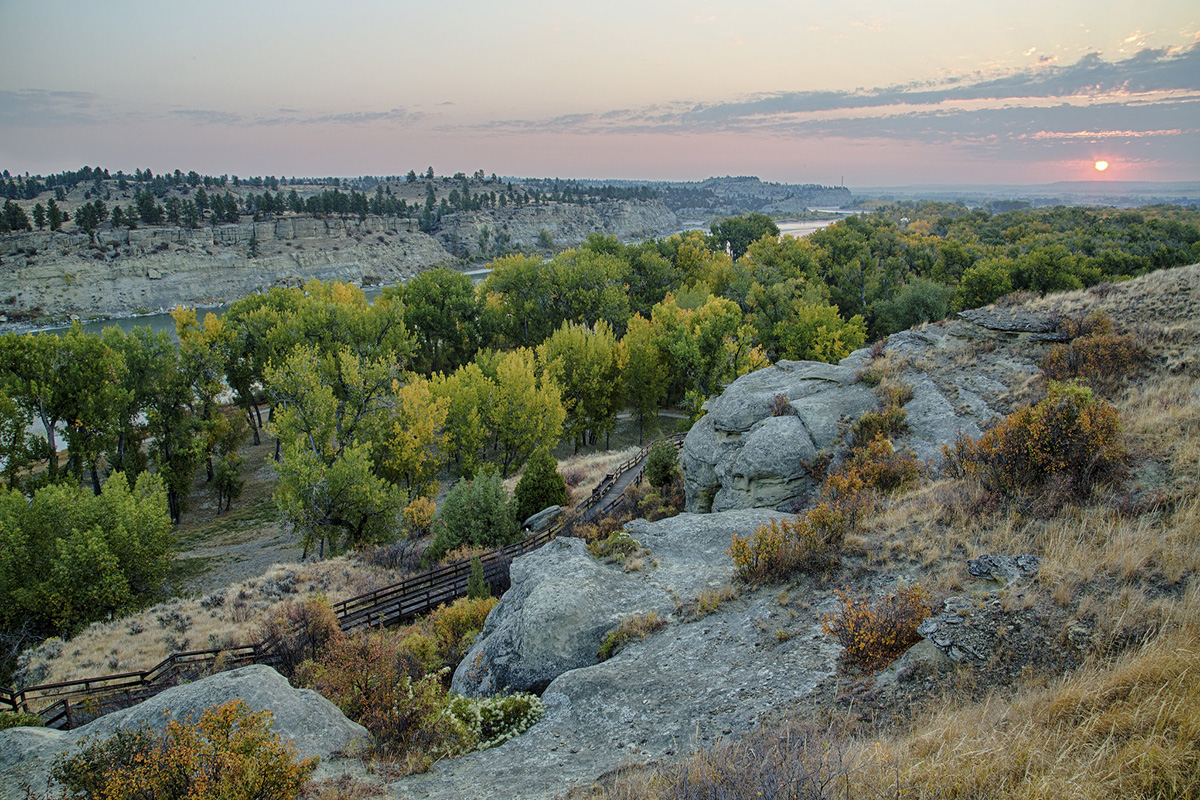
(541, 486)
(477, 513)
(68, 557)
(738, 233)
(662, 464)
(442, 311)
(415, 449)
(645, 374)
(14, 218)
(469, 397)
(585, 364)
(330, 489)
(39, 216)
(526, 414)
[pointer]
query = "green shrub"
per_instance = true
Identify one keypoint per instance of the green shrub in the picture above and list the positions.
(884, 422)
(615, 547)
(495, 720)
(662, 464)
(477, 585)
(540, 486)
(475, 512)
(922, 300)
(11, 719)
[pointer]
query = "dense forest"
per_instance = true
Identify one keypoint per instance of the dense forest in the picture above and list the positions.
(372, 403)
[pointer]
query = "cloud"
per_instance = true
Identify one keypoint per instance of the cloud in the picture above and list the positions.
(1154, 92)
(291, 116)
(41, 107)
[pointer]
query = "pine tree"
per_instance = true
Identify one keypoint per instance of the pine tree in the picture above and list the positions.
(540, 486)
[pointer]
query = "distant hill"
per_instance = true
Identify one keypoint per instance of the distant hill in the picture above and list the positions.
(1122, 194)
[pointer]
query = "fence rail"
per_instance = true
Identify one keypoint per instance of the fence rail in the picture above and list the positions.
(68, 704)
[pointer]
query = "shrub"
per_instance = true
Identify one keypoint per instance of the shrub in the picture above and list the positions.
(886, 421)
(540, 486)
(231, 753)
(1096, 355)
(635, 626)
(477, 586)
(1069, 436)
(299, 631)
(779, 405)
(10, 719)
(418, 516)
(882, 468)
(453, 626)
(781, 547)
(616, 546)
(475, 512)
(495, 720)
(874, 633)
(662, 464)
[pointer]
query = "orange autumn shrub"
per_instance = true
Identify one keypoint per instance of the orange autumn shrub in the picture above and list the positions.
(1070, 437)
(231, 753)
(873, 633)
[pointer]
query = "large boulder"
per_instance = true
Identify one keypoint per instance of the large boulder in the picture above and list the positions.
(751, 451)
(563, 601)
(311, 722)
(740, 455)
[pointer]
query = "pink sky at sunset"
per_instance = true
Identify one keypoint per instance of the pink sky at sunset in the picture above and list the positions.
(877, 94)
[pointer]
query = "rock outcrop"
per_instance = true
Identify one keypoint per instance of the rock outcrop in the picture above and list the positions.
(566, 225)
(126, 272)
(962, 373)
(563, 601)
(741, 456)
(311, 722)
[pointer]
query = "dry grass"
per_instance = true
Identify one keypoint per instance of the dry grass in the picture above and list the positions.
(224, 618)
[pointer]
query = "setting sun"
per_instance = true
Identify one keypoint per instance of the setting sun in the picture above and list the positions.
(1101, 166)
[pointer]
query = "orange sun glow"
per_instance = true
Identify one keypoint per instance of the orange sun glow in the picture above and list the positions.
(1101, 166)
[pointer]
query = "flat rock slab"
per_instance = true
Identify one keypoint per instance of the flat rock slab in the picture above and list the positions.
(680, 689)
(563, 601)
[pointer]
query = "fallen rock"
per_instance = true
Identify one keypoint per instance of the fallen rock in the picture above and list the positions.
(563, 601)
(311, 722)
(542, 519)
(1006, 570)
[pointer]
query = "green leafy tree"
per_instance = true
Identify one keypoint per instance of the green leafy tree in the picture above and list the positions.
(526, 414)
(476, 512)
(469, 396)
(738, 233)
(585, 364)
(330, 489)
(68, 557)
(442, 311)
(645, 375)
(541, 486)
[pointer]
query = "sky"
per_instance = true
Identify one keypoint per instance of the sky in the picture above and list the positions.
(869, 92)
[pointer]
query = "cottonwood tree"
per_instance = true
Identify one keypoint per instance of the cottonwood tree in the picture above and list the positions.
(585, 364)
(330, 487)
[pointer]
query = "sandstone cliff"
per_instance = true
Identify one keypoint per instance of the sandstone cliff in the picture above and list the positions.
(56, 275)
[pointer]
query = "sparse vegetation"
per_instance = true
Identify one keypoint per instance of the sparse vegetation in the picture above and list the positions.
(634, 626)
(872, 632)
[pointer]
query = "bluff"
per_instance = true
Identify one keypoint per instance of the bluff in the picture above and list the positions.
(123, 272)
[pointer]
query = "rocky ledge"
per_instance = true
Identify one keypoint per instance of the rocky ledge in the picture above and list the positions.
(964, 374)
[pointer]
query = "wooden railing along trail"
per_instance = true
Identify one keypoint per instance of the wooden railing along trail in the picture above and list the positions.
(68, 704)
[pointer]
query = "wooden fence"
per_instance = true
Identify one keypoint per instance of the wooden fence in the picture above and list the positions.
(68, 704)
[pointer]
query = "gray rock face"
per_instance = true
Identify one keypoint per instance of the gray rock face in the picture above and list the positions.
(566, 225)
(740, 456)
(563, 601)
(681, 688)
(311, 722)
(961, 373)
(538, 522)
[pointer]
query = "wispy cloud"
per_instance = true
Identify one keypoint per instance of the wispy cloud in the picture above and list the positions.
(1154, 93)
(291, 116)
(39, 107)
